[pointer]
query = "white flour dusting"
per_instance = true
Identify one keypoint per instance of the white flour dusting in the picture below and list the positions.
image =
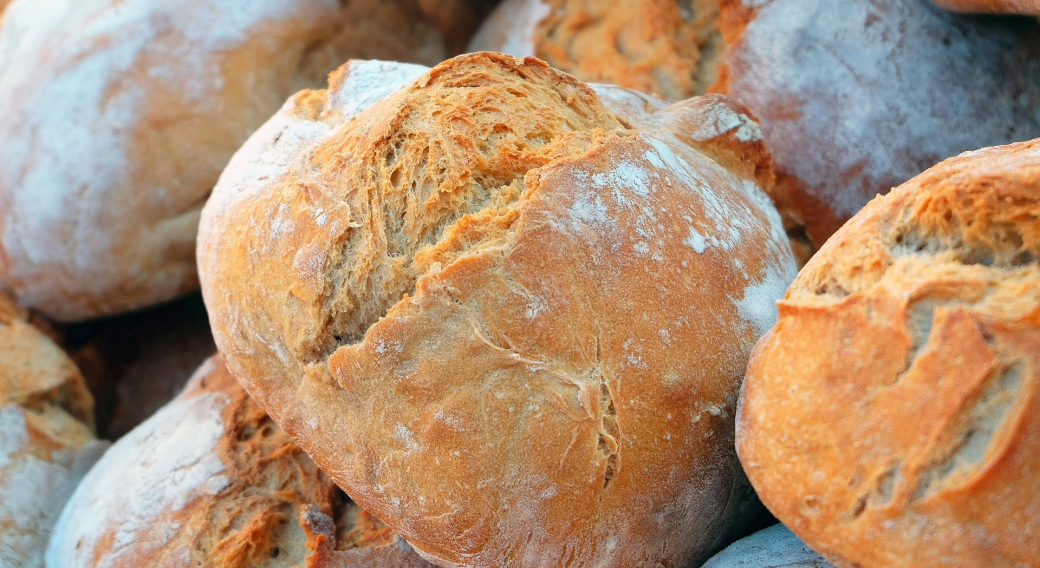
(771, 548)
(157, 468)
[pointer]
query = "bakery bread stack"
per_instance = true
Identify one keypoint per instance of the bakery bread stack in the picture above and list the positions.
(210, 480)
(47, 440)
(119, 115)
(891, 418)
(508, 313)
(854, 96)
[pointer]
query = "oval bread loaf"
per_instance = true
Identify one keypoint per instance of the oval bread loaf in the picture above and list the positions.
(507, 312)
(891, 418)
(46, 437)
(120, 114)
(1029, 7)
(210, 480)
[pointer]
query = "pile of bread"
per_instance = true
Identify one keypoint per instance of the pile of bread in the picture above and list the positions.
(530, 283)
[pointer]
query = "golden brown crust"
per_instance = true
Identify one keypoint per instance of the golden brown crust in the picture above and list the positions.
(244, 496)
(892, 415)
(484, 306)
(1023, 7)
(665, 47)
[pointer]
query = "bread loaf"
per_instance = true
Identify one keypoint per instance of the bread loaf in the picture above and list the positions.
(854, 96)
(210, 480)
(1029, 7)
(120, 114)
(508, 313)
(891, 418)
(46, 438)
(775, 547)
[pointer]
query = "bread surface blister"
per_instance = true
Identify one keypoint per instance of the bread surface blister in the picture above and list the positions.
(503, 309)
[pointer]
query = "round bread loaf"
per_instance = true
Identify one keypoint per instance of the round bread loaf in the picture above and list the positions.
(892, 416)
(775, 547)
(210, 480)
(120, 114)
(508, 313)
(46, 438)
(1027, 7)
(854, 96)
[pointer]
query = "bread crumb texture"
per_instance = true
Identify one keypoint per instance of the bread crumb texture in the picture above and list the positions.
(120, 114)
(775, 547)
(891, 417)
(211, 480)
(507, 314)
(856, 97)
(668, 48)
(46, 436)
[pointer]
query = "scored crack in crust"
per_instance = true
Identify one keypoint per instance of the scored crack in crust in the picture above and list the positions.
(507, 312)
(890, 417)
(211, 480)
(46, 436)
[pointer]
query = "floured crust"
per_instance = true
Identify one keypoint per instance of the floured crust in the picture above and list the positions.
(816, 75)
(1024, 7)
(120, 114)
(892, 416)
(531, 382)
(211, 480)
(46, 439)
(775, 547)
(666, 47)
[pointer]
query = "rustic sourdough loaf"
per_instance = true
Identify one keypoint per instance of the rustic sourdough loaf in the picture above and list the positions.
(46, 437)
(120, 114)
(210, 480)
(775, 547)
(1030, 7)
(508, 313)
(891, 418)
(854, 96)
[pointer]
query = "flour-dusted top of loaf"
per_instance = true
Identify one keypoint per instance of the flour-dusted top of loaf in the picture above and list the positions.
(469, 297)
(856, 97)
(121, 117)
(775, 547)
(210, 479)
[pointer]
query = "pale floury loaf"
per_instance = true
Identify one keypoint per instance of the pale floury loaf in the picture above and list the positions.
(775, 547)
(46, 437)
(210, 480)
(120, 114)
(891, 418)
(854, 96)
(507, 312)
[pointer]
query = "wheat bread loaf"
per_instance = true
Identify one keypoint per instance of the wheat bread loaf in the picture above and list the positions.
(891, 418)
(210, 480)
(854, 96)
(120, 114)
(507, 312)
(774, 547)
(1026, 7)
(46, 436)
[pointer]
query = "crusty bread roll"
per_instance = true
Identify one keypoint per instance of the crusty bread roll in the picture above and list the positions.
(854, 96)
(120, 114)
(892, 416)
(46, 439)
(507, 314)
(210, 480)
(665, 47)
(774, 547)
(1025, 7)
